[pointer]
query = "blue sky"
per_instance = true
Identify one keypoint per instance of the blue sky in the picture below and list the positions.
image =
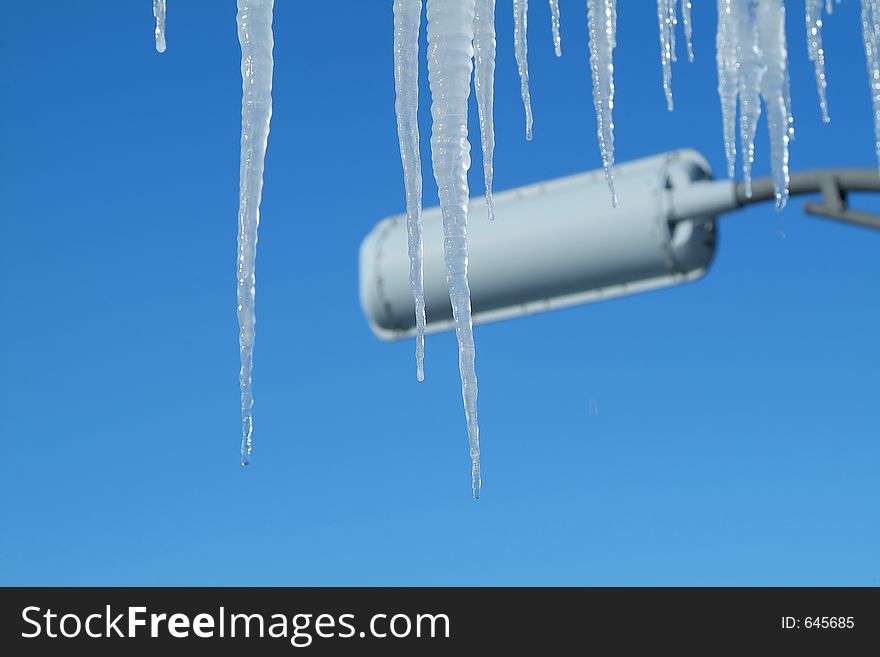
(737, 436)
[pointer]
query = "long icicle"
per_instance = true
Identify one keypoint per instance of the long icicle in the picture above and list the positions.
(554, 21)
(450, 56)
(751, 70)
(484, 88)
(407, 21)
(871, 37)
(725, 55)
(774, 90)
(159, 14)
(255, 35)
(667, 21)
(521, 48)
(686, 7)
(602, 18)
(816, 52)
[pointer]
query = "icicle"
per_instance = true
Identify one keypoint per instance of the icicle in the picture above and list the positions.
(450, 53)
(770, 21)
(159, 13)
(484, 87)
(725, 52)
(752, 58)
(554, 19)
(255, 36)
(521, 46)
(688, 27)
(751, 71)
(602, 17)
(871, 36)
(667, 22)
(815, 50)
(407, 20)
(790, 116)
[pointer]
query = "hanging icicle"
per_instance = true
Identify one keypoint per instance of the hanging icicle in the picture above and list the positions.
(749, 83)
(484, 88)
(450, 57)
(816, 52)
(159, 14)
(554, 21)
(752, 59)
(521, 48)
(255, 36)
(725, 54)
(871, 37)
(688, 27)
(667, 22)
(407, 21)
(774, 90)
(602, 18)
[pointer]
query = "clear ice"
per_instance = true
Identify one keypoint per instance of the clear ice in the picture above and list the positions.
(255, 35)
(450, 63)
(774, 91)
(688, 27)
(725, 55)
(521, 49)
(159, 13)
(667, 23)
(407, 21)
(816, 52)
(749, 84)
(752, 59)
(871, 37)
(554, 21)
(484, 87)
(602, 18)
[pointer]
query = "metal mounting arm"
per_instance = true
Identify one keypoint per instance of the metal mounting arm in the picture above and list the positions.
(833, 184)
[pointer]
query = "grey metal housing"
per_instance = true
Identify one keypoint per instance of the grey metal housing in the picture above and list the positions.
(555, 244)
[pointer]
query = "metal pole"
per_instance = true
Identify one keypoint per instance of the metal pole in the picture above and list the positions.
(833, 184)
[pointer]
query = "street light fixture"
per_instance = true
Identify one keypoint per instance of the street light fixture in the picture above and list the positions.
(560, 243)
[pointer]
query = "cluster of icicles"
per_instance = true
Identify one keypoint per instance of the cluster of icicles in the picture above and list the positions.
(752, 61)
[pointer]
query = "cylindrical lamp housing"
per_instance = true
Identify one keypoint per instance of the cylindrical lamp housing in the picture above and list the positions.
(554, 244)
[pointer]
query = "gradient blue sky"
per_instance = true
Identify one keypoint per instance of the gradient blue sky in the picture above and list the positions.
(737, 437)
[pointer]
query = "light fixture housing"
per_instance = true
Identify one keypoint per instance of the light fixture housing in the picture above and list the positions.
(555, 244)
